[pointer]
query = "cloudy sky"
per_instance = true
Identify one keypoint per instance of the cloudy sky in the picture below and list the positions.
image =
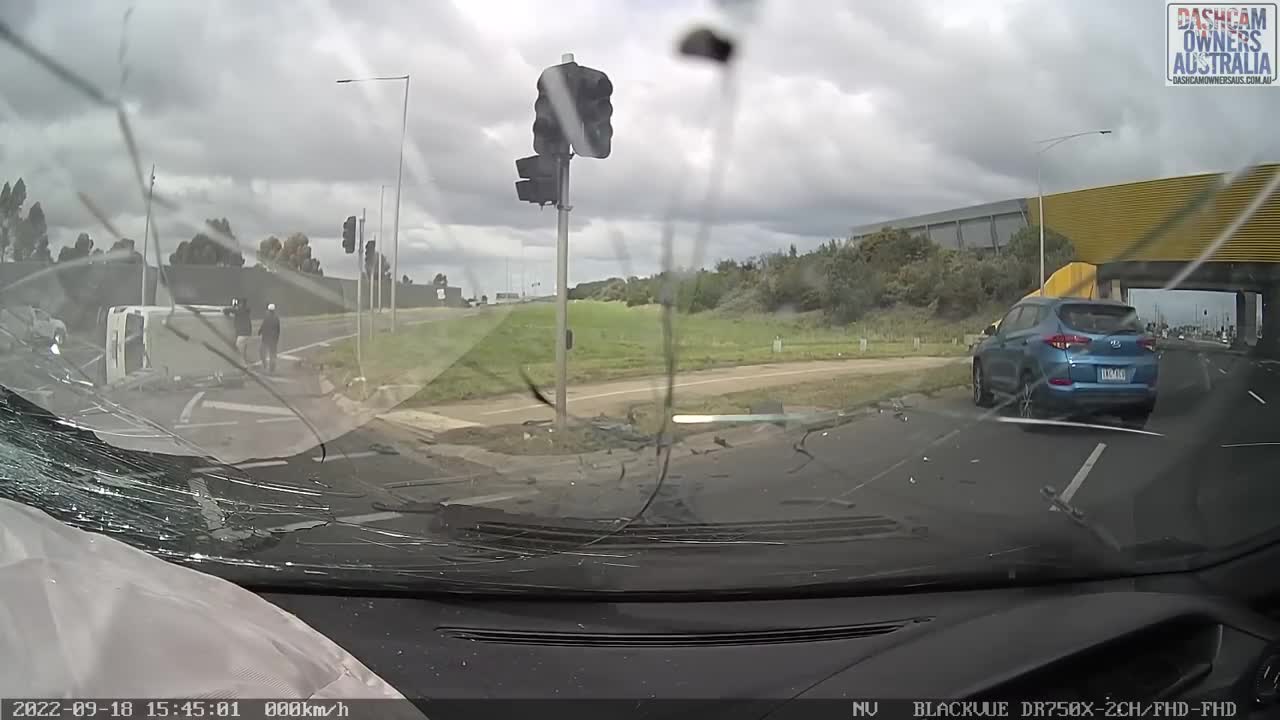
(844, 113)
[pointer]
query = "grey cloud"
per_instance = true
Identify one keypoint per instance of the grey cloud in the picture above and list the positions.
(246, 92)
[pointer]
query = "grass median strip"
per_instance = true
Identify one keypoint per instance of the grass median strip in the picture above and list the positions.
(643, 421)
(481, 355)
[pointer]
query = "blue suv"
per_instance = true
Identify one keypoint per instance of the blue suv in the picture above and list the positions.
(1068, 356)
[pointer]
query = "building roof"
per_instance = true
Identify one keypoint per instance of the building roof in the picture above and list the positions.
(973, 212)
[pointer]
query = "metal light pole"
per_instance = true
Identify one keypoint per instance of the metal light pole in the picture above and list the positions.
(395, 230)
(1051, 143)
(378, 241)
(146, 235)
(359, 290)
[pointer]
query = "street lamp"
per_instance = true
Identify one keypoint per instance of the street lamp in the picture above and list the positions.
(1050, 143)
(395, 230)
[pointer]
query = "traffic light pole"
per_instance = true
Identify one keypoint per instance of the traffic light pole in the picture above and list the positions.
(562, 295)
(359, 292)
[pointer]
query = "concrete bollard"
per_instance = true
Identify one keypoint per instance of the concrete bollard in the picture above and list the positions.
(917, 343)
(777, 344)
(862, 344)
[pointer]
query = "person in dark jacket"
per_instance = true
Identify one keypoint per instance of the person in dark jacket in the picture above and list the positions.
(270, 332)
(239, 313)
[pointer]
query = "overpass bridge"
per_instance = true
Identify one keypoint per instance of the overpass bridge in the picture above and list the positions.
(1146, 234)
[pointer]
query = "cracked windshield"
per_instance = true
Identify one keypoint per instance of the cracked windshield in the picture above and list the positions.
(684, 296)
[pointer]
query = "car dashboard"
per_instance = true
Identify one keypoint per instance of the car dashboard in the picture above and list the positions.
(1171, 640)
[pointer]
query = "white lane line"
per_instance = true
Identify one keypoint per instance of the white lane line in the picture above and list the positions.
(347, 520)
(294, 418)
(285, 356)
(484, 499)
(209, 509)
(1255, 397)
(1082, 473)
(658, 387)
(246, 408)
(1224, 372)
(1068, 423)
(346, 456)
(244, 466)
(320, 343)
(190, 407)
(370, 518)
(1257, 444)
(221, 423)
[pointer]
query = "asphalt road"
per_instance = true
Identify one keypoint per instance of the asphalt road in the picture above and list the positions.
(1200, 471)
(287, 412)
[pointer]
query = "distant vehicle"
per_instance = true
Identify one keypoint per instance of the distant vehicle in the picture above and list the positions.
(1181, 336)
(186, 342)
(1068, 356)
(31, 324)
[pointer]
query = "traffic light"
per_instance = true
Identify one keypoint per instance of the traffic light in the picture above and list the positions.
(593, 92)
(370, 261)
(540, 184)
(349, 234)
(555, 99)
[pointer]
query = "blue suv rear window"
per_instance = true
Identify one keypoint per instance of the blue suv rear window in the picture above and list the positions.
(1087, 318)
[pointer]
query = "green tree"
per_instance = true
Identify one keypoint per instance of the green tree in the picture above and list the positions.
(440, 280)
(32, 241)
(81, 249)
(890, 249)
(125, 252)
(292, 254)
(12, 198)
(217, 246)
(1025, 247)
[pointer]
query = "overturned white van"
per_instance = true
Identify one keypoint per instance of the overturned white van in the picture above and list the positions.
(191, 343)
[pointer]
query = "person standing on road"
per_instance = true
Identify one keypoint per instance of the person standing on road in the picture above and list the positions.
(239, 313)
(270, 332)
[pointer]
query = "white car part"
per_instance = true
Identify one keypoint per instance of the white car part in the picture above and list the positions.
(86, 616)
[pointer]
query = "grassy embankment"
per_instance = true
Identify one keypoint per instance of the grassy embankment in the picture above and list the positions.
(843, 393)
(480, 355)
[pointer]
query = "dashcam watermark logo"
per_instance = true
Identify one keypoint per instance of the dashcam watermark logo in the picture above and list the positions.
(1221, 44)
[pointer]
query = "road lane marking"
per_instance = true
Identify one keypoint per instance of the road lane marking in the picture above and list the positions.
(246, 408)
(660, 386)
(320, 343)
(286, 356)
(347, 520)
(293, 418)
(1254, 444)
(1255, 397)
(485, 499)
(346, 456)
(220, 423)
(243, 466)
(1082, 473)
(185, 416)
(1068, 423)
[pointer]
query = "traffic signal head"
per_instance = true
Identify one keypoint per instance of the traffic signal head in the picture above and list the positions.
(349, 234)
(554, 103)
(594, 92)
(539, 183)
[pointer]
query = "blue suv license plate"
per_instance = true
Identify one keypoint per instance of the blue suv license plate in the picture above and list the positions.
(1110, 374)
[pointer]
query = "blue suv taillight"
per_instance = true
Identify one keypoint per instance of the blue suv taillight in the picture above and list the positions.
(1066, 342)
